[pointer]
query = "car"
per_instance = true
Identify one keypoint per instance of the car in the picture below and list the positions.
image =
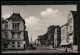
(32, 47)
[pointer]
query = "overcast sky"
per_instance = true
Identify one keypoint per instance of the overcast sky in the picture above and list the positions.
(39, 17)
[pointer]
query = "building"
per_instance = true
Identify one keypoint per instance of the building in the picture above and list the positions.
(42, 39)
(64, 37)
(13, 32)
(26, 38)
(72, 32)
(31, 40)
(37, 42)
(52, 35)
(4, 34)
(55, 38)
(69, 32)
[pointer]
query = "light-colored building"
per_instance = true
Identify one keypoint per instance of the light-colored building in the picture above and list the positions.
(72, 35)
(64, 37)
(55, 38)
(69, 32)
(13, 29)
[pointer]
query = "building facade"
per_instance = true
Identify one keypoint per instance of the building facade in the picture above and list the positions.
(72, 32)
(26, 39)
(54, 33)
(64, 36)
(13, 32)
(69, 32)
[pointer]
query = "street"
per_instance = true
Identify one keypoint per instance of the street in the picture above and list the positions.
(38, 50)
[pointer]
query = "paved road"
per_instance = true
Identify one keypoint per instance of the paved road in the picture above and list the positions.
(38, 50)
(35, 51)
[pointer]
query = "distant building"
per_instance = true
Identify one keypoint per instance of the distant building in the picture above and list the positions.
(30, 40)
(55, 38)
(42, 39)
(13, 32)
(26, 38)
(51, 34)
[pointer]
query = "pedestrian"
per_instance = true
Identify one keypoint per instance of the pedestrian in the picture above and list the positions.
(66, 49)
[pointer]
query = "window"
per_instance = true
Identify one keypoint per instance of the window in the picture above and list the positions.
(15, 26)
(5, 27)
(13, 46)
(12, 34)
(18, 36)
(13, 42)
(6, 35)
(70, 28)
(18, 45)
(18, 42)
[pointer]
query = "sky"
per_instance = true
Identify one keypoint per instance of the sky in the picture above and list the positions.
(39, 17)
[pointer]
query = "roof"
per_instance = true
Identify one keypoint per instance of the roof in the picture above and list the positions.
(74, 13)
(15, 16)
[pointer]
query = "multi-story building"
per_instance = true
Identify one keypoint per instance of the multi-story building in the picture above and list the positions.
(64, 37)
(72, 32)
(69, 32)
(13, 36)
(51, 34)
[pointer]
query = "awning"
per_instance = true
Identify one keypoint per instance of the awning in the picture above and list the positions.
(64, 43)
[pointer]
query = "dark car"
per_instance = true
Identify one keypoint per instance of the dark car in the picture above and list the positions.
(32, 47)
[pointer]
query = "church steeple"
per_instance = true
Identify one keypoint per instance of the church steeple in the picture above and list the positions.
(31, 40)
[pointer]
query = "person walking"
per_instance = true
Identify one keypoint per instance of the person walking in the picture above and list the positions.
(66, 49)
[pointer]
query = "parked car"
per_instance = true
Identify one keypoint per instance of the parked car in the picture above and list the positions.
(32, 47)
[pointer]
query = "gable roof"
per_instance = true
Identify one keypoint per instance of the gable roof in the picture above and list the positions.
(16, 16)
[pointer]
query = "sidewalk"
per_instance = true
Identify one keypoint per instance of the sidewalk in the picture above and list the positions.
(68, 50)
